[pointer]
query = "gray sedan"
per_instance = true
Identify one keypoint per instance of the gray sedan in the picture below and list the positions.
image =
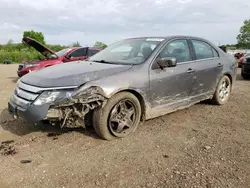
(130, 81)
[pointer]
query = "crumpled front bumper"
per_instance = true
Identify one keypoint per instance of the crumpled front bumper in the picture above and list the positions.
(68, 109)
(28, 112)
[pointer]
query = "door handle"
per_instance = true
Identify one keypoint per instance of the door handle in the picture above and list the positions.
(190, 70)
(219, 65)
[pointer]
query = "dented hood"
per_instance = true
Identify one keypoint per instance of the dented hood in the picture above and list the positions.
(39, 47)
(72, 74)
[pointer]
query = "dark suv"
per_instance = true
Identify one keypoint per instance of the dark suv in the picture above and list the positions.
(245, 71)
(129, 81)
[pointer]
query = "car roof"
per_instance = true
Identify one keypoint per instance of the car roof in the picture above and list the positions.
(168, 37)
(92, 48)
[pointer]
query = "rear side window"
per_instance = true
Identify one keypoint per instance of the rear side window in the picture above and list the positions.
(79, 52)
(215, 53)
(92, 52)
(203, 50)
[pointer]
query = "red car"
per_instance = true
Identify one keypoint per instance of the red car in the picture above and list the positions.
(242, 59)
(53, 58)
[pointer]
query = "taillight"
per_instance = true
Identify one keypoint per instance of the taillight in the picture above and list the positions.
(242, 60)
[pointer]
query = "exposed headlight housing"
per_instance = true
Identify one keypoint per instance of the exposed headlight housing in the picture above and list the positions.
(51, 97)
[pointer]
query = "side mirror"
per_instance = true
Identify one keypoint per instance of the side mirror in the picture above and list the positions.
(167, 62)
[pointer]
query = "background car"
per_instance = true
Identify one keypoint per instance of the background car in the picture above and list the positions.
(245, 71)
(242, 58)
(238, 55)
(53, 58)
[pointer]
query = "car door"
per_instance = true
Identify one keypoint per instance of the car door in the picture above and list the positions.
(78, 54)
(172, 84)
(207, 67)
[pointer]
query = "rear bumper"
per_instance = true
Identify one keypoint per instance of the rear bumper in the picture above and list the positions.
(28, 112)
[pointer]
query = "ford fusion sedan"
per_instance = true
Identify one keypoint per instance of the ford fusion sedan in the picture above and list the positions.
(130, 81)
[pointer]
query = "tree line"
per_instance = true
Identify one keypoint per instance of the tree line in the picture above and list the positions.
(20, 52)
(243, 38)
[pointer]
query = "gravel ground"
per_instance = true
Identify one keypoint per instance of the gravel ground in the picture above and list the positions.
(203, 146)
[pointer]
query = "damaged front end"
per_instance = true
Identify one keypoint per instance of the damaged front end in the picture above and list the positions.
(76, 110)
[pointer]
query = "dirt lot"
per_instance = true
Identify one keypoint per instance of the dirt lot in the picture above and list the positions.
(203, 146)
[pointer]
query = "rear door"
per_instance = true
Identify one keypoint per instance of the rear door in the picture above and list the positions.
(207, 66)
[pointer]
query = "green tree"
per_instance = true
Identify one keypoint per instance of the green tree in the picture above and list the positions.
(99, 44)
(76, 44)
(56, 47)
(10, 41)
(10, 46)
(38, 36)
(244, 36)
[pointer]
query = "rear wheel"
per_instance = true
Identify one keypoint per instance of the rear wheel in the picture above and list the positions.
(223, 91)
(118, 118)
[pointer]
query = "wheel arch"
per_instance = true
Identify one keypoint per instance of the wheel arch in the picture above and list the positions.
(230, 77)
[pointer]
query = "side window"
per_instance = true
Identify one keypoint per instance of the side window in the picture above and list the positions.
(178, 49)
(202, 50)
(92, 52)
(215, 53)
(79, 52)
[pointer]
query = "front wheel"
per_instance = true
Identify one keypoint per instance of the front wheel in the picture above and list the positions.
(223, 91)
(119, 117)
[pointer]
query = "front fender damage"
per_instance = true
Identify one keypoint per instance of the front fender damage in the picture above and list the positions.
(76, 112)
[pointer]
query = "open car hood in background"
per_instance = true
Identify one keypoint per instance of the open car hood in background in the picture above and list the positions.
(39, 47)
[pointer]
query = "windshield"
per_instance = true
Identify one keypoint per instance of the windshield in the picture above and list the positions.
(130, 51)
(62, 52)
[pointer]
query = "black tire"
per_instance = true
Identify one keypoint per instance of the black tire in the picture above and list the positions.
(220, 97)
(246, 77)
(102, 117)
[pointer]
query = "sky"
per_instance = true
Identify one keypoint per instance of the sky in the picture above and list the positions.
(67, 21)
